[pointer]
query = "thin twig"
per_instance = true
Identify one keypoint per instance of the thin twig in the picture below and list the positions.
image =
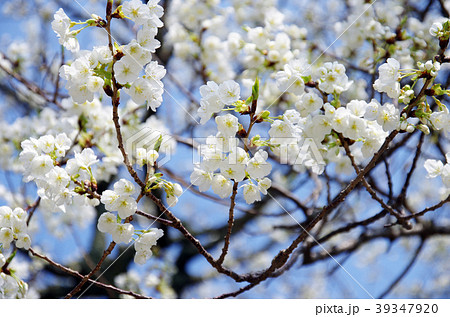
(151, 217)
(353, 225)
(405, 271)
(31, 86)
(402, 196)
(92, 272)
(79, 275)
(31, 209)
(373, 194)
(230, 224)
(239, 291)
(428, 209)
(389, 178)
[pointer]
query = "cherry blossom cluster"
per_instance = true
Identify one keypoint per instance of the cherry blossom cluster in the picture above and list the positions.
(332, 78)
(436, 168)
(111, 223)
(222, 151)
(323, 120)
(215, 97)
(61, 25)
(120, 199)
(302, 113)
(388, 80)
(287, 143)
(13, 227)
(367, 124)
(440, 30)
(58, 186)
(144, 244)
(234, 165)
(84, 74)
(90, 73)
(292, 78)
(138, 54)
(197, 31)
(10, 286)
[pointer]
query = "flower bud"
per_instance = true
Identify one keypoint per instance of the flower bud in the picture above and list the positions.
(425, 129)
(410, 129)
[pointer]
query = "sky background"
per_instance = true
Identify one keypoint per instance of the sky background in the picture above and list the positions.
(353, 280)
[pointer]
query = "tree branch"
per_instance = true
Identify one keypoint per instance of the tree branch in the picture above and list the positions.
(77, 274)
(405, 271)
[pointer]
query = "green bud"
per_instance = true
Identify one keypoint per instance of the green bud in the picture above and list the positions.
(91, 22)
(158, 144)
(437, 89)
(79, 190)
(118, 13)
(425, 129)
(242, 106)
(265, 114)
(255, 89)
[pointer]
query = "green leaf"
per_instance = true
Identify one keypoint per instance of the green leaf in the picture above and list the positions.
(158, 144)
(255, 89)
(306, 79)
(103, 73)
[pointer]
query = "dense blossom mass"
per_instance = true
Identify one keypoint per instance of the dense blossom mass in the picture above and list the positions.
(265, 104)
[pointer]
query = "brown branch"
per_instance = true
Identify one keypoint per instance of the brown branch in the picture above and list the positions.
(428, 209)
(389, 179)
(406, 224)
(31, 209)
(236, 293)
(402, 196)
(176, 223)
(92, 272)
(30, 86)
(79, 275)
(151, 217)
(87, 258)
(405, 271)
(353, 225)
(289, 195)
(115, 98)
(230, 224)
(424, 231)
(283, 255)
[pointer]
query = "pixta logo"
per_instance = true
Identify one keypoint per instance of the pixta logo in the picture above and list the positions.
(288, 151)
(150, 139)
